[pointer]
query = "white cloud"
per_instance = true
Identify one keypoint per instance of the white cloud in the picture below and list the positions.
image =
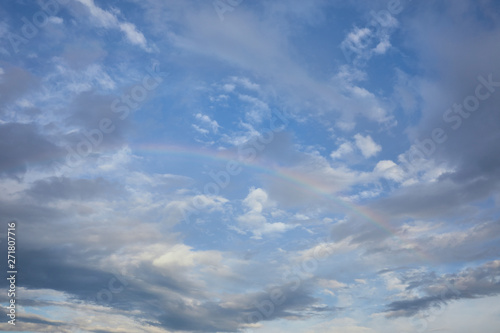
(361, 44)
(341, 325)
(254, 220)
(102, 17)
(323, 250)
(367, 146)
(188, 208)
(134, 36)
(56, 20)
(357, 38)
(273, 227)
(206, 121)
(183, 256)
(246, 83)
(256, 200)
(350, 74)
(382, 47)
(228, 87)
(77, 81)
(345, 125)
(390, 170)
(139, 178)
(238, 42)
(331, 284)
(200, 130)
(241, 137)
(258, 110)
(344, 148)
(115, 161)
(106, 19)
(363, 102)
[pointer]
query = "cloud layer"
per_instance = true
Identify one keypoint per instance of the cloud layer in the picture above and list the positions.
(233, 166)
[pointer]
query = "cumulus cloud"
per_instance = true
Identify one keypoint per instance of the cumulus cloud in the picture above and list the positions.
(205, 121)
(343, 149)
(390, 170)
(255, 219)
(367, 146)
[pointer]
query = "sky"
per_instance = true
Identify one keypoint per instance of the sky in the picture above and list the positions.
(251, 166)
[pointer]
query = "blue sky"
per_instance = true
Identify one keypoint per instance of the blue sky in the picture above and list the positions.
(252, 166)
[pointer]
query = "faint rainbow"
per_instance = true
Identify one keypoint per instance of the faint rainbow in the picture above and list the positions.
(285, 174)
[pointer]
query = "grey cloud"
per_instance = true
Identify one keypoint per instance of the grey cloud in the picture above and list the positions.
(74, 189)
(412, 307)
(476, 282)
(22, 145)
(459, 48)
(65, 270)
(71, 268)
(228, 314)
(82, 53)
(445, 197)
(14, 83)
(32, 319)
(363, 231)
(212, 317)
(86, 112)
(61, 269)
(480, 242)
(30, 213)
(38, 218)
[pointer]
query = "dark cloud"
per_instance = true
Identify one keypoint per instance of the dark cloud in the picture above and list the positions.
(22, 145)
(30, 212)
(457, 43)
(87, 111)
(476, 282)
(231, 313)
(445, 197)
(15, 82)
(70, 268)
(62, 269)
